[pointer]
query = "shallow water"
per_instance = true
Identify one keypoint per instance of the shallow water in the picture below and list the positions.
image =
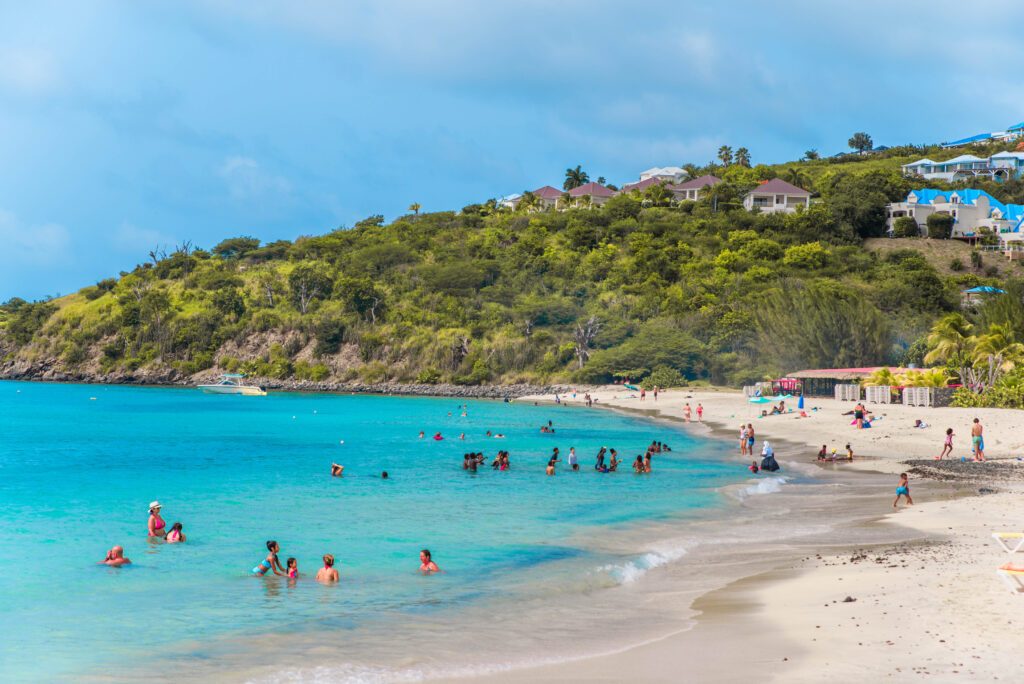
(79, 465)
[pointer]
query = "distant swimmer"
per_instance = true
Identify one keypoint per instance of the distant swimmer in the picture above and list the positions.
(327, 573)
(156, 524)
(421, 434)
(336, 470)
(638, 464)
(498, 435)
(462, 435)
(614, 462)
(115, 557)
(384, 475)
(438, 437)
(270, 562)
(427, 566)
(175, 535)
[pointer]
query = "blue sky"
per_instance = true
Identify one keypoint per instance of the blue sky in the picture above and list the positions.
(127, 125)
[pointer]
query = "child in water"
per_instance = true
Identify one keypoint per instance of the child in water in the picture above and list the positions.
(293, 568)
(903, 489)
(175, 535)
(753, 467)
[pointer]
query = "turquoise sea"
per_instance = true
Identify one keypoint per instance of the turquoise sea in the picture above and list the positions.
(80, 463)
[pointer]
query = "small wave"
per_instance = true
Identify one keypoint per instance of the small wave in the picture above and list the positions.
(768, 485)
(631, 571)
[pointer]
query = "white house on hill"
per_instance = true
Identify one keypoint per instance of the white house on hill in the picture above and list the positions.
(971, 210)
(673, 174)
(776, 196)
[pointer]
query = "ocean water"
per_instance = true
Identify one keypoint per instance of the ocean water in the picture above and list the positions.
(79, 465)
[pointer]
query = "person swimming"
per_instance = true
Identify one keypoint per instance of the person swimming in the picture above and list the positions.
(614, 462)
(337, 470)
(175, 535)
(438, 437)
(384, 475)
(421, 434)
(270, 562)
(428, 566)
(156, 524)
(115, 558)
(327, 573)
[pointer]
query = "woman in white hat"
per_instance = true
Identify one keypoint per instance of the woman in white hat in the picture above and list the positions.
(156, 523)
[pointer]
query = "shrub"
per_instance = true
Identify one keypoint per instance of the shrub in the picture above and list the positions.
(976, 260)
(265, 320)
(809, 256)
(330, 333)
(764, 250)
(940, 226)
(429, 376)
(663, 376)
(956, 265)
(906, 227)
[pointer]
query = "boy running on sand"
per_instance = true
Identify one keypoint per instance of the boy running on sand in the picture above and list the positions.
(903, 489)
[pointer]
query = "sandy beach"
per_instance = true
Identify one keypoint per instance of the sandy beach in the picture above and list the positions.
(903, 594)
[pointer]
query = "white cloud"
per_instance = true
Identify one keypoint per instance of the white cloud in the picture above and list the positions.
(245, 178)
(48, 244)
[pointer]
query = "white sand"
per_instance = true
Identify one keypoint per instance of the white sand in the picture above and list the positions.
(934, 610)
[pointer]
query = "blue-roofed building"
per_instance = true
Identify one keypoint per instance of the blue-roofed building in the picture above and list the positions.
(981, 137)
(974, 212)
(998, 167)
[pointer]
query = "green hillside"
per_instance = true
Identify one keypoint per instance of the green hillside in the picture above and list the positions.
(695, 291)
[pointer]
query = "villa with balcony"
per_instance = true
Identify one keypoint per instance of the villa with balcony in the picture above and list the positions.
(1000, 167)
(777, 196)
(690, 190)
(597, 193)
(972, 211)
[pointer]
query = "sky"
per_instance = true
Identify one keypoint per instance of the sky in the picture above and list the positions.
(125, 126)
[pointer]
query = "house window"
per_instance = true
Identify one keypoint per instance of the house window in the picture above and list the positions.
(780, 199)
(761, 201)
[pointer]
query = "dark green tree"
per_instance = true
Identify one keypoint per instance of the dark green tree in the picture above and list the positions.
(574, 178)
(860, 142)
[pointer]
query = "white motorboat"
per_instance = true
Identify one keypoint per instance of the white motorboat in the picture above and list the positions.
(231, 383)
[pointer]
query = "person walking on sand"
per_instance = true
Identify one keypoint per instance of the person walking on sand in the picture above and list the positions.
(655, 393)
(858, 415)
(686, 412)
(947, 446)
(643, 394)
(700, 413)
(750, 438)
(903, 489)
(977, 441)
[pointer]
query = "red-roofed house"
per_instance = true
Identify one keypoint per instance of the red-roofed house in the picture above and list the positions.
(690, 190)
(643, 185)
(547, 196)
(777, 196)
(598, 193)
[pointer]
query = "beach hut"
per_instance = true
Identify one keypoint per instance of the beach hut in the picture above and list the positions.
(976, 295)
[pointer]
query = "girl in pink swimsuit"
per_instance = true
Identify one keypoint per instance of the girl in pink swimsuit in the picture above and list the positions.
(175, 535)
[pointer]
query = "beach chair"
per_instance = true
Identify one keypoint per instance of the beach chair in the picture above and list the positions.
(1013, 579)
(1007, 539)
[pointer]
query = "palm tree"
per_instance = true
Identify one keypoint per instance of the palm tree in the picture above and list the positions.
(601, 180)
(860, 142)
(574, 178)
(691, 170)
(415, 207)
(949, 337)
(725, 154)
(658, 195)
(795, 176)
(565, 201)
(528, 202)
(1000, 345)
(935, 377)
(811, 154)
(881, 378)
(743, 157)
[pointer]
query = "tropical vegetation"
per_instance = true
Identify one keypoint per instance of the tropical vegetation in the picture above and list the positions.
(643, 287)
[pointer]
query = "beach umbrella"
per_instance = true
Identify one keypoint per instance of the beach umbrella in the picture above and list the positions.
(760, 400)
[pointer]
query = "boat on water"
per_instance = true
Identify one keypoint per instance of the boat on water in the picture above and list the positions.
(231, 383)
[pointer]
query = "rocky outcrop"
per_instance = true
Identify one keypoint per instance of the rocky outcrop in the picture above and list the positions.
(41, 371)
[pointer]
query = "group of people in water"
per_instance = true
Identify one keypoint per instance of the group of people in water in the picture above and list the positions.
(328, 573)
(271, 563)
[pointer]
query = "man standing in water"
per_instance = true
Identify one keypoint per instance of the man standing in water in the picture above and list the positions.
(977, 442)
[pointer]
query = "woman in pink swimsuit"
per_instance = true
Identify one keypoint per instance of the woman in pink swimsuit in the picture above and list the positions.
(156, 523)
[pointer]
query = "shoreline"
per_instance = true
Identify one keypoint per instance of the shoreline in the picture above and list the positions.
(793, 601)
